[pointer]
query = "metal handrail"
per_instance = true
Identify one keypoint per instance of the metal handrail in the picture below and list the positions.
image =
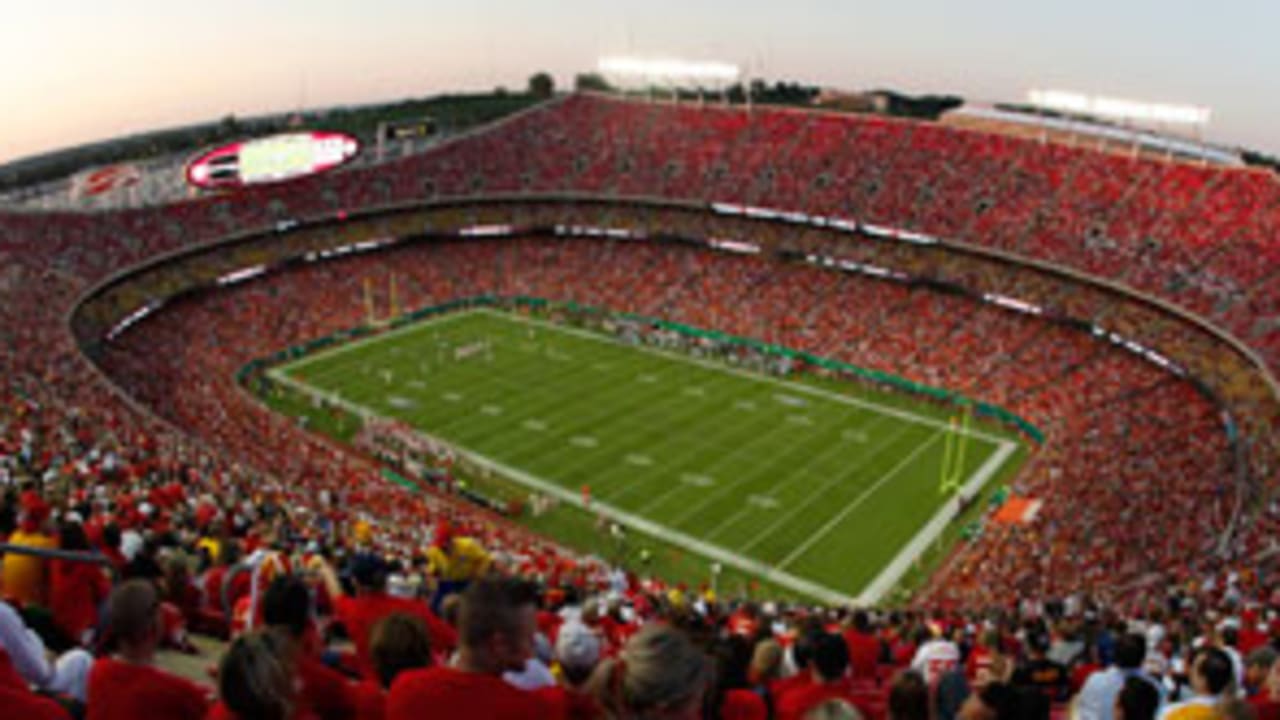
(56, 554)
(93, 557)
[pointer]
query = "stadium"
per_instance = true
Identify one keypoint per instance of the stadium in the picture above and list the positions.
(990, 385)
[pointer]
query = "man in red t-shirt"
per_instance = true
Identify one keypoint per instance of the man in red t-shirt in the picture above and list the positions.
(864, 647)
(126, 685)
(372, 603)
(495, 633)
(217, 599)
(830, 667)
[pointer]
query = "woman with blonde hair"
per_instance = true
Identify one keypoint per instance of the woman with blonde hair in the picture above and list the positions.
(766, 663)
(659, 675)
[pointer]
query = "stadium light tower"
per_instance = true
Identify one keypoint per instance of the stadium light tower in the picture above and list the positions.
(668, 73)
(1119, 108)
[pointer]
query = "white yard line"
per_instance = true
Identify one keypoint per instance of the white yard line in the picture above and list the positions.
(888, 577)
(693, 447)
(597, 337)
(552, 413)
(644, 525)
(668, 535)
(857, 502)
(350, 368)
(278, 375)
(710, 471)
(347, 347)
(550, 409)
(795, 476)
(820, 494)
(757, 377)
(871, 422)
(637, 420)
(892, 573)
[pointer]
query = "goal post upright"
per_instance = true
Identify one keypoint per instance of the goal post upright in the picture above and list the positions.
(395, 305)
(369, 309)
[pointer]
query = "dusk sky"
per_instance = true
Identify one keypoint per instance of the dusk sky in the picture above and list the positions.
(75, 70)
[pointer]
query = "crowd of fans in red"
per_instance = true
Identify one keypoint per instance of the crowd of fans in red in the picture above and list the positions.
(1198, 236)
(180, 506)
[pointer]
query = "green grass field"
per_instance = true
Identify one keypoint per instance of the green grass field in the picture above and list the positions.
(822, 489)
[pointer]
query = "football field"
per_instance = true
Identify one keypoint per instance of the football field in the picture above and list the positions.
(826, 491)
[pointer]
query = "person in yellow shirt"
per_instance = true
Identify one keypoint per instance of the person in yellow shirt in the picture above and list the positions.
(470, 559)
(459, 560)
(454, 561)
(24, 578)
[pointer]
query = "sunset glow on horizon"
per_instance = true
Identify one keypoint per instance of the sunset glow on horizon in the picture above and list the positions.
(77, 71)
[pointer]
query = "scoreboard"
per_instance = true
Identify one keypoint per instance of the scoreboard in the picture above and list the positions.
(272, 159)
(408, 129)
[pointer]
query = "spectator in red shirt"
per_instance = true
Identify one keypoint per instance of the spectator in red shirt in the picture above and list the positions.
(372, 603)
(495, 633)
(660, 674)
(864, 647)
(180, 589)
(1266, 702)
(398, 643)
(830, 666)
(111, 547)
(221, 587)
(78, 588)
(255, 680)
(982, 654)
(1251, 635)
(765, 670)
(126, 685)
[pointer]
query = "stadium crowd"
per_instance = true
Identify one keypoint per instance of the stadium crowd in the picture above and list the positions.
(345, 627)
(1197, 236)
(1128, 419)
(216, 516)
